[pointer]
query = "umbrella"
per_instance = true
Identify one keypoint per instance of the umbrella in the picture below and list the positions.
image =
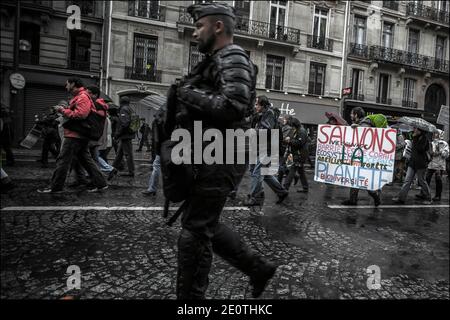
(418, 123)
(153, 101)
(339, 120)
(402, 127)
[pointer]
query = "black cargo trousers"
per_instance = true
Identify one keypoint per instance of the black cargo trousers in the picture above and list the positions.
(202, 232)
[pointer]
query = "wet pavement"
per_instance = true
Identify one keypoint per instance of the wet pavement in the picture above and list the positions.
(323, 252)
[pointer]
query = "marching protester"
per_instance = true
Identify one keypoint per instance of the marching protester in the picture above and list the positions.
(125, 136)
(52, 141)
(399, 167)
(265, 119)
(359, 119)
(219, 104)
(286, 130)
(144, 130)
(6, 134)
(436, 167)
(75, 144)
(297, 142)
(417, 166)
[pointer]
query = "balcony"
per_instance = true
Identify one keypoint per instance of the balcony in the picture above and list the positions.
(413, 60)
(136, 73)
(384, 100)
(87, 8)
(421, 11)
(354, 96)
(409, 104)
(157, 13)
(79, 65)
(358, 51)
(320, 43)
(393, 5)
(254, 28)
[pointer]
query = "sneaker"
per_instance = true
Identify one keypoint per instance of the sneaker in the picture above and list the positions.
(282, 197)
(148, 193)
(260, 281)
(96, 189)
(49, 190)
(112, 174)
(349, 202)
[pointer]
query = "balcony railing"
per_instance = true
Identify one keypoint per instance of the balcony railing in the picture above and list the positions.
(255, 28)
(320, 43)
(409, 104)
(79, 65)
(136, 73)
(421, 11)
(393, 5)
(384, 100)
(87, 8)
(355, 96)
(359, 50)
(157, 13)
(411, 59)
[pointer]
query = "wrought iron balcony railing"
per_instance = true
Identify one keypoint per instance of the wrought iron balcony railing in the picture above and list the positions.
(384, 100)
(421, 11)
(393, 5)
(411, 59)
(154, 13)
(409, 104)
(79, 65)
(138, 73)
(359, 50)
(320, 43)
(355, 96)
(87, 7)
(255, 28)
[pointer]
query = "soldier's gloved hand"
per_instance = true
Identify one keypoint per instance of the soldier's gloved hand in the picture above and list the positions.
(192, 98)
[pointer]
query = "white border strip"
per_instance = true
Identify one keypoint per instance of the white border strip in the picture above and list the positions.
(99, 208)
(412, 206)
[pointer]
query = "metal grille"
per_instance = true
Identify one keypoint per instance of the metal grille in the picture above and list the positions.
(145, 54)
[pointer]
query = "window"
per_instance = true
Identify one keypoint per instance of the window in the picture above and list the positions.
(316, 78)
(359, 30)
(146, 9)
(195, 56)
(86, 6)
(80, 50)
(30, 34)
(277, 19)
(440, 47)
(274, 72)
(384, 88)
(242, 15)
(388, 34)
(413, 41)
(357, 84)
(320, 23)
(408, 92)
(145, 53)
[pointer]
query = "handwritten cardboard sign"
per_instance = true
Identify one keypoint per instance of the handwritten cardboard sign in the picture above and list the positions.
(359, 157)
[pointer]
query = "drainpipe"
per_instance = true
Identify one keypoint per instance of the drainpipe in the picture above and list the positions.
(108, 50)
(344, 54)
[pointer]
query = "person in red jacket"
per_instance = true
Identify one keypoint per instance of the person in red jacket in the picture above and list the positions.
(75, 145)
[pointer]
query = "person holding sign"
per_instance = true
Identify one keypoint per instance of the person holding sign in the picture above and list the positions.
(359, 119)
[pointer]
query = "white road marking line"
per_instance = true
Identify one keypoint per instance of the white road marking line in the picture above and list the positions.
(412, 206)
(98, 208)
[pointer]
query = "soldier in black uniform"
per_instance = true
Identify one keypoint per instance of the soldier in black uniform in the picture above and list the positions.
(220, 92)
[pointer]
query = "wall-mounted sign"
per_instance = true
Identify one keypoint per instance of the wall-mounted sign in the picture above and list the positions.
(17, 80)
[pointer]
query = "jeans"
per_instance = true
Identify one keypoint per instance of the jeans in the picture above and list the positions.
(103, 165)
(257, 180)
(75, 148)
(154, 177)
(125, 148)
(438, 180)
(410, 173)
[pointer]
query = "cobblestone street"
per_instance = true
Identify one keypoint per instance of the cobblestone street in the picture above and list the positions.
(131, 254)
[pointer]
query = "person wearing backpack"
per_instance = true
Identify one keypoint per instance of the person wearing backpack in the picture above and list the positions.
(436, 167)
(125, 133)
(75, 144)
(417, 166)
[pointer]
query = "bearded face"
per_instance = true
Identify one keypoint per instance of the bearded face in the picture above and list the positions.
(205, 35)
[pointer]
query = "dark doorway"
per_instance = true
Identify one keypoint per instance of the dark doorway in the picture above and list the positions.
(434, 99)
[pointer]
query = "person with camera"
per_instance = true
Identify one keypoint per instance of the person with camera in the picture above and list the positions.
(75, 144)
(220, 92)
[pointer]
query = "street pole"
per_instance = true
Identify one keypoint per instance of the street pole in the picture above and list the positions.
(14, 93)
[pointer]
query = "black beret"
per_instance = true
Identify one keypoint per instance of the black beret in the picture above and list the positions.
(201, 10)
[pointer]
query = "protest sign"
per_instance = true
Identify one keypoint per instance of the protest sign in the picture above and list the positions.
(359, 157)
